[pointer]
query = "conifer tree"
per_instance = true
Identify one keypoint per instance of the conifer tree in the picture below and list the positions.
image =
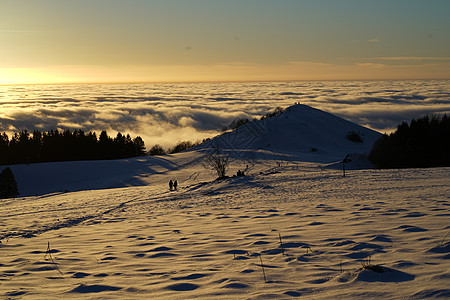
(4, 148)
(8, 184)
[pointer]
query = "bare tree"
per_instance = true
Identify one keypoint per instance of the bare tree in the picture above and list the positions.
(217, 161)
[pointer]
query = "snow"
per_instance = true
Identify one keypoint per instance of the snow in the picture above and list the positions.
(111, 229)
(308, 133)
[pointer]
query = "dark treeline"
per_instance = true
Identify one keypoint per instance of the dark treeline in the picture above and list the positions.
(55, 145)
(179, 147)
(422, 143)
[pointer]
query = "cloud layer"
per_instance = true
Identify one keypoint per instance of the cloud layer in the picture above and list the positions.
(168, 113)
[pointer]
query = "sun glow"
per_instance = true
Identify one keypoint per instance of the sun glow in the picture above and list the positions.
(28, 76)
(238, 71)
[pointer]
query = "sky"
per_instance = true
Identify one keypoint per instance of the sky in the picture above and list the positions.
(62, 41)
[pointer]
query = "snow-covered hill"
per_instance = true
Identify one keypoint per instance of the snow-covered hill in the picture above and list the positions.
(307, 133)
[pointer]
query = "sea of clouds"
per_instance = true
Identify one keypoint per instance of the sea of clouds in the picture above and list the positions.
(167, 113)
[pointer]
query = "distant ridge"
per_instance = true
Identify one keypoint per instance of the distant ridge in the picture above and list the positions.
(304, 131)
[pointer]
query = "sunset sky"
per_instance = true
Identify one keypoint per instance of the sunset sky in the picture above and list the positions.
(55, 41)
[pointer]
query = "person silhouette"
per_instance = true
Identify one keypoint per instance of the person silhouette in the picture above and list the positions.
(175, 184)
(170, 184)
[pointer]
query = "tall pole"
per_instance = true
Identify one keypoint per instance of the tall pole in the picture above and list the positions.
(344, 161)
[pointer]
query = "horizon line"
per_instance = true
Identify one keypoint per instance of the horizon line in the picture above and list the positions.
(215, 81)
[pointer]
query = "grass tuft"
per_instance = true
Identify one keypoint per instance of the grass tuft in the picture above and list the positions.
(281, 243)
(49, 254)
(443, 240)
(262, 267)
(367, 265)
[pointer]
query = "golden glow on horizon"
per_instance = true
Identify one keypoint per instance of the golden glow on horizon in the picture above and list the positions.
(223, 72)
(20, 76)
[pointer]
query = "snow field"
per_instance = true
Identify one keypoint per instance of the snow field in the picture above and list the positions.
(204, 240)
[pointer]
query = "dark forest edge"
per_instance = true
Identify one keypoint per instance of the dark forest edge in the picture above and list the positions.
(55, 145)
(423, 143)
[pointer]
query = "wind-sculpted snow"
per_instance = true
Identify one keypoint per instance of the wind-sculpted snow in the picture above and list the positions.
(315, 233)
(168, 113)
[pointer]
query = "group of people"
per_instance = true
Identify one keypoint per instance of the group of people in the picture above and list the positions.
(173, 185)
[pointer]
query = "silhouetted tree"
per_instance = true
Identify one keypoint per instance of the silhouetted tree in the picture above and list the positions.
(156, 150)
(130, 147)
(119, 146)
(52, 147)
(20, 146)
(181, 146)
(105, 145)
(8, 184)
(36, 146)
(4, 149)
(85, 147)
(217, 161)
(139, 146)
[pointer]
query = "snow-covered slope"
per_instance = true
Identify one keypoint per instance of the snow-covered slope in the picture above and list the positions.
(44, 178)
(308, 133)
(312, 231)
(300, 134)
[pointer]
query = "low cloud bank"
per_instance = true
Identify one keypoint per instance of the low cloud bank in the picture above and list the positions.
(167, 113)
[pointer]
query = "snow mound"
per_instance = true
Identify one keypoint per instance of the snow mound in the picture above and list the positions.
(308, 133)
